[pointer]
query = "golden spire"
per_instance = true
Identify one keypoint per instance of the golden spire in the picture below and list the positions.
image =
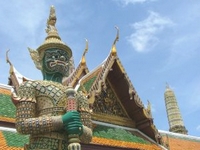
(83, 60)
(113, 50)
(8, 61)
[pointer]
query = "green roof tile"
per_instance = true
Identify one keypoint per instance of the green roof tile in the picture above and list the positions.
(7, 107)
(87, 85)
(15, 139)
(117, 134)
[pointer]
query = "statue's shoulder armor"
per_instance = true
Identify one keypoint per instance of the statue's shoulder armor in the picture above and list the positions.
(26, 91)
(43, 84)
(29, 84)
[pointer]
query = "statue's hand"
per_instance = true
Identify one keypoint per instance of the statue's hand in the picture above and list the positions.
(72, 123)
(70, 117)
(75, 128)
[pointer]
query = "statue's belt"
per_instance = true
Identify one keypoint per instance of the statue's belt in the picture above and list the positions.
(61, 110)
(51, 135)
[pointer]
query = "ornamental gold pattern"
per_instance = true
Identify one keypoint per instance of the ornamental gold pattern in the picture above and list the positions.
(107, 103)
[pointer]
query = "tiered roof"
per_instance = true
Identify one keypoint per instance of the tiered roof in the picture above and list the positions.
(112, 73)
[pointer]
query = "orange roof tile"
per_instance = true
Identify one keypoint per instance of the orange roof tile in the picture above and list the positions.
(5, 91)
(181, 144)
(124, 144)
(4, 146)
(6, 119)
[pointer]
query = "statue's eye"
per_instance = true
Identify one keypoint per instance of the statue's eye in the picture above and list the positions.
(62, 58)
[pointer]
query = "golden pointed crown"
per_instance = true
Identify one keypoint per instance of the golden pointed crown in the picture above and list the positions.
(53, 39)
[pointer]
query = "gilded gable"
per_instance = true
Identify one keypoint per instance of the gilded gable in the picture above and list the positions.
(108, 108)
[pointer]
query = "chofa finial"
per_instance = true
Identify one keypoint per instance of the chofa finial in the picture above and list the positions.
(9, 62)
(86, 47)
(117, 36)
(83, 61)
(114, 51)
(149, 108)
(7, 59)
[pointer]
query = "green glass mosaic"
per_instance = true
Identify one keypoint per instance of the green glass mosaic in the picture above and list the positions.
(15, 139)
(87, 85)
(117, 134)
(7, 107)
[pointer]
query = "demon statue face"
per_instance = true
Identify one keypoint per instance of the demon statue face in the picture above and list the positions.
(56, 61)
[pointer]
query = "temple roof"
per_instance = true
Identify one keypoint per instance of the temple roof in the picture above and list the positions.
(15, 78)
(80, 71)
(12, 140)
(7, 111)
(111, 70)
(177, 141)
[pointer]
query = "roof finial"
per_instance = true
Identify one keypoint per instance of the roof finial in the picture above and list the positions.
(114, 51)
(8, 61)
(83, 61)
(117, 36)
(149, 108)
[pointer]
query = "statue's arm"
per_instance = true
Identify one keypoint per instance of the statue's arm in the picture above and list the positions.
(84, 110)
(27, 121)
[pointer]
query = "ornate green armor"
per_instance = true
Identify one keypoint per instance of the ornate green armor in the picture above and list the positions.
(43, 107)
(39, 109)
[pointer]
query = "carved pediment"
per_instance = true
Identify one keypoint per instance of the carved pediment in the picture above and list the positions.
(108, 108)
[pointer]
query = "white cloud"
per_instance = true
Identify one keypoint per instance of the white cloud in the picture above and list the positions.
(193, 105)
(21, 26)
(198, 128)
(126, 2)
(144, 38)
(17, 23)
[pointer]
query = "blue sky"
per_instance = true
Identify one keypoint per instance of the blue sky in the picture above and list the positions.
(159, 43)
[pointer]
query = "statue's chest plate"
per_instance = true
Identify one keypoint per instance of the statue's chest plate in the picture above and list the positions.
(50, 96)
